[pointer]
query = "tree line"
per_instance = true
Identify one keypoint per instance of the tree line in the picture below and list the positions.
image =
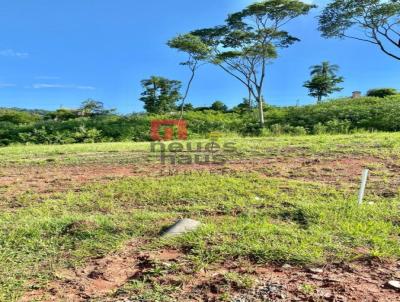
(336, 116)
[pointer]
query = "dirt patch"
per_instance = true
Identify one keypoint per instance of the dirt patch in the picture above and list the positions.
(338, 171)
(237, 281)
(360, 281)
(100, 276)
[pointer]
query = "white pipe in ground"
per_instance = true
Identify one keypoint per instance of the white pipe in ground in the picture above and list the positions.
(364, 179)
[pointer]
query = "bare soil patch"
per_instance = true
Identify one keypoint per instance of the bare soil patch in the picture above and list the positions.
(338, 171)
(364, 280)
(98, 278)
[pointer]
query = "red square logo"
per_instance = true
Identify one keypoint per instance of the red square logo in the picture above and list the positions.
(168, 126)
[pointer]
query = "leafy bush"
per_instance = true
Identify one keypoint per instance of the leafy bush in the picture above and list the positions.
(17, 117)
(336, 126)
(364, 113)
(278, 129)
(382, 92)
(319, 129)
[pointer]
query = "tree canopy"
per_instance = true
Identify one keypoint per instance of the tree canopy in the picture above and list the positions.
(382, 92)
(219, 106)
(197, 52)
(323, 80)
(324, 69)
(373, 21)
(247, 41)
(160, 94)
(92, 107)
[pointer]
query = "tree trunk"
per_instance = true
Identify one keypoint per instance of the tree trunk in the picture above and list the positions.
(261, 110)
(187, 90)
(249, 99)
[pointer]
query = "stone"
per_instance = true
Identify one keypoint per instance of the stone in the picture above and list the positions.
(181, 227)
(394, 284)
(316, 270)
(317, 278)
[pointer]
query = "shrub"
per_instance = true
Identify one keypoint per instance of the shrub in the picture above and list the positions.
(278, 129)
(382, 92)
(251, 129)
(338, 127)
(219, 106)
(17, 117)
(319, 129)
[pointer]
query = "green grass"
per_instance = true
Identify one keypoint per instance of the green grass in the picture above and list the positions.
(375, 144)
(244, 215)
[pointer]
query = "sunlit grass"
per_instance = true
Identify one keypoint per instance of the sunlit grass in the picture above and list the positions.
(376, 144)
(243, 216)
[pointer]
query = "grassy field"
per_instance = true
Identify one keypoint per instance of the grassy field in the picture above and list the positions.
(279, 200)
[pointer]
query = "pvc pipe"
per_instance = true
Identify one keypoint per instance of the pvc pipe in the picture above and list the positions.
(364, 179)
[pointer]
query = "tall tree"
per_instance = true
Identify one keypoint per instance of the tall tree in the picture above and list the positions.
(160, 94)
(197, 53)
(249, 40)
(373, 21)
(323, 81)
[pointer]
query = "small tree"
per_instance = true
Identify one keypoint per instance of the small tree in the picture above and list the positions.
(92, 107)
(219, 106)
(320, 86)
(197, 52)
(188, 107)
(373, 21)
(323, 80)
(160, 94)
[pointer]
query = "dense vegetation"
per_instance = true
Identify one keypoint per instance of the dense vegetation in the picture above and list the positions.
(71, 126)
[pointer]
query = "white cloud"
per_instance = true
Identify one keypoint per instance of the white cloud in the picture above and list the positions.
(40, 86)
(85, 87)
(13, 53)
(7, 85)
(62, 86)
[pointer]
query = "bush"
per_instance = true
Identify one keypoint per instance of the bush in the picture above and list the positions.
(337, 116)
(366, 113)
(219, 106)
(382, 92)
(338, 127)
(17, 117)
(278, 129)
(319, 129)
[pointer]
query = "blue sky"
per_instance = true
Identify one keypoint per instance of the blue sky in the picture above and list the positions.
(59, 53)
